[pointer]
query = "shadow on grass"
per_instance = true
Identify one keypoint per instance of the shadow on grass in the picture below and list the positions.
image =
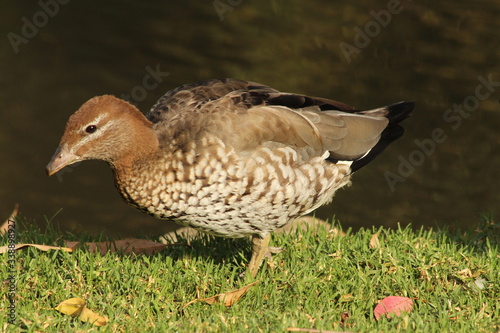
(479, 238)
(236, 252)
(220, 251)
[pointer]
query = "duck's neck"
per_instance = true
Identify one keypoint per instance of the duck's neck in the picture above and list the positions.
(141, 144)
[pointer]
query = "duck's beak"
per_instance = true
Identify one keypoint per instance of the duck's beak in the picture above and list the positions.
(62, 157)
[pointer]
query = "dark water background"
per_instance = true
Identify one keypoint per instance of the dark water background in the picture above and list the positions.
(56, 55)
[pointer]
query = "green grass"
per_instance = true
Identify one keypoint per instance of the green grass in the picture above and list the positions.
(316, 278)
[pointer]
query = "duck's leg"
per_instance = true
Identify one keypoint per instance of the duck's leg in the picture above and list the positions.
(260, 249)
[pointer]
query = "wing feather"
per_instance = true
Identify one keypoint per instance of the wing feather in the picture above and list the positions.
(247, 115)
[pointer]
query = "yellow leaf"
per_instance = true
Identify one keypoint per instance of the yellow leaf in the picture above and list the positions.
(228, 298)
(374, 242)
(5, 249)
(75, 307)
(71, 306)
(90, 316)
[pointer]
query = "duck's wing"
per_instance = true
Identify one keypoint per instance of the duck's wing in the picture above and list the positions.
(193, 97)
(247, 115)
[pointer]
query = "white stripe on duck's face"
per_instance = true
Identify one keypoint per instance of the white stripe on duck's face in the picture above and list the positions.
(91, 131)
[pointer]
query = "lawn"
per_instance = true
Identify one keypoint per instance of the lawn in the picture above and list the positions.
(321, 281)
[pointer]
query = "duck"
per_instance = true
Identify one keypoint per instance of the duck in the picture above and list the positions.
(228, 157)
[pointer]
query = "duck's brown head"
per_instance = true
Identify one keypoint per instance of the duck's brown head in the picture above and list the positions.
(104, 128)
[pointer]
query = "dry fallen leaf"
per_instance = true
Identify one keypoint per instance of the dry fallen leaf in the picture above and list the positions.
(5, 249)
(71, 306)
(312, 330)
(374, 242)
(228, 298)
(90, 316)
(478, 284)
(346, 298)
(5, 226)
(343, 318)
(75, 307)
(129, 245)
(393, 305)
(464, 273)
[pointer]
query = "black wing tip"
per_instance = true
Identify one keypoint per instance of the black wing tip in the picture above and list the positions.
(397, 113)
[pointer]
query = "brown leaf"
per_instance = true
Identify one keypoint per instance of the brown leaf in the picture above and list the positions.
(10, 220)
(374, 242)
(393, 305)
(343, 318)
(5, 249)
(129, 245)
(75, 307)
(228, 298)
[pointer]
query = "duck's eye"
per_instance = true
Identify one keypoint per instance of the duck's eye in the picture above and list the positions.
(91, 129)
